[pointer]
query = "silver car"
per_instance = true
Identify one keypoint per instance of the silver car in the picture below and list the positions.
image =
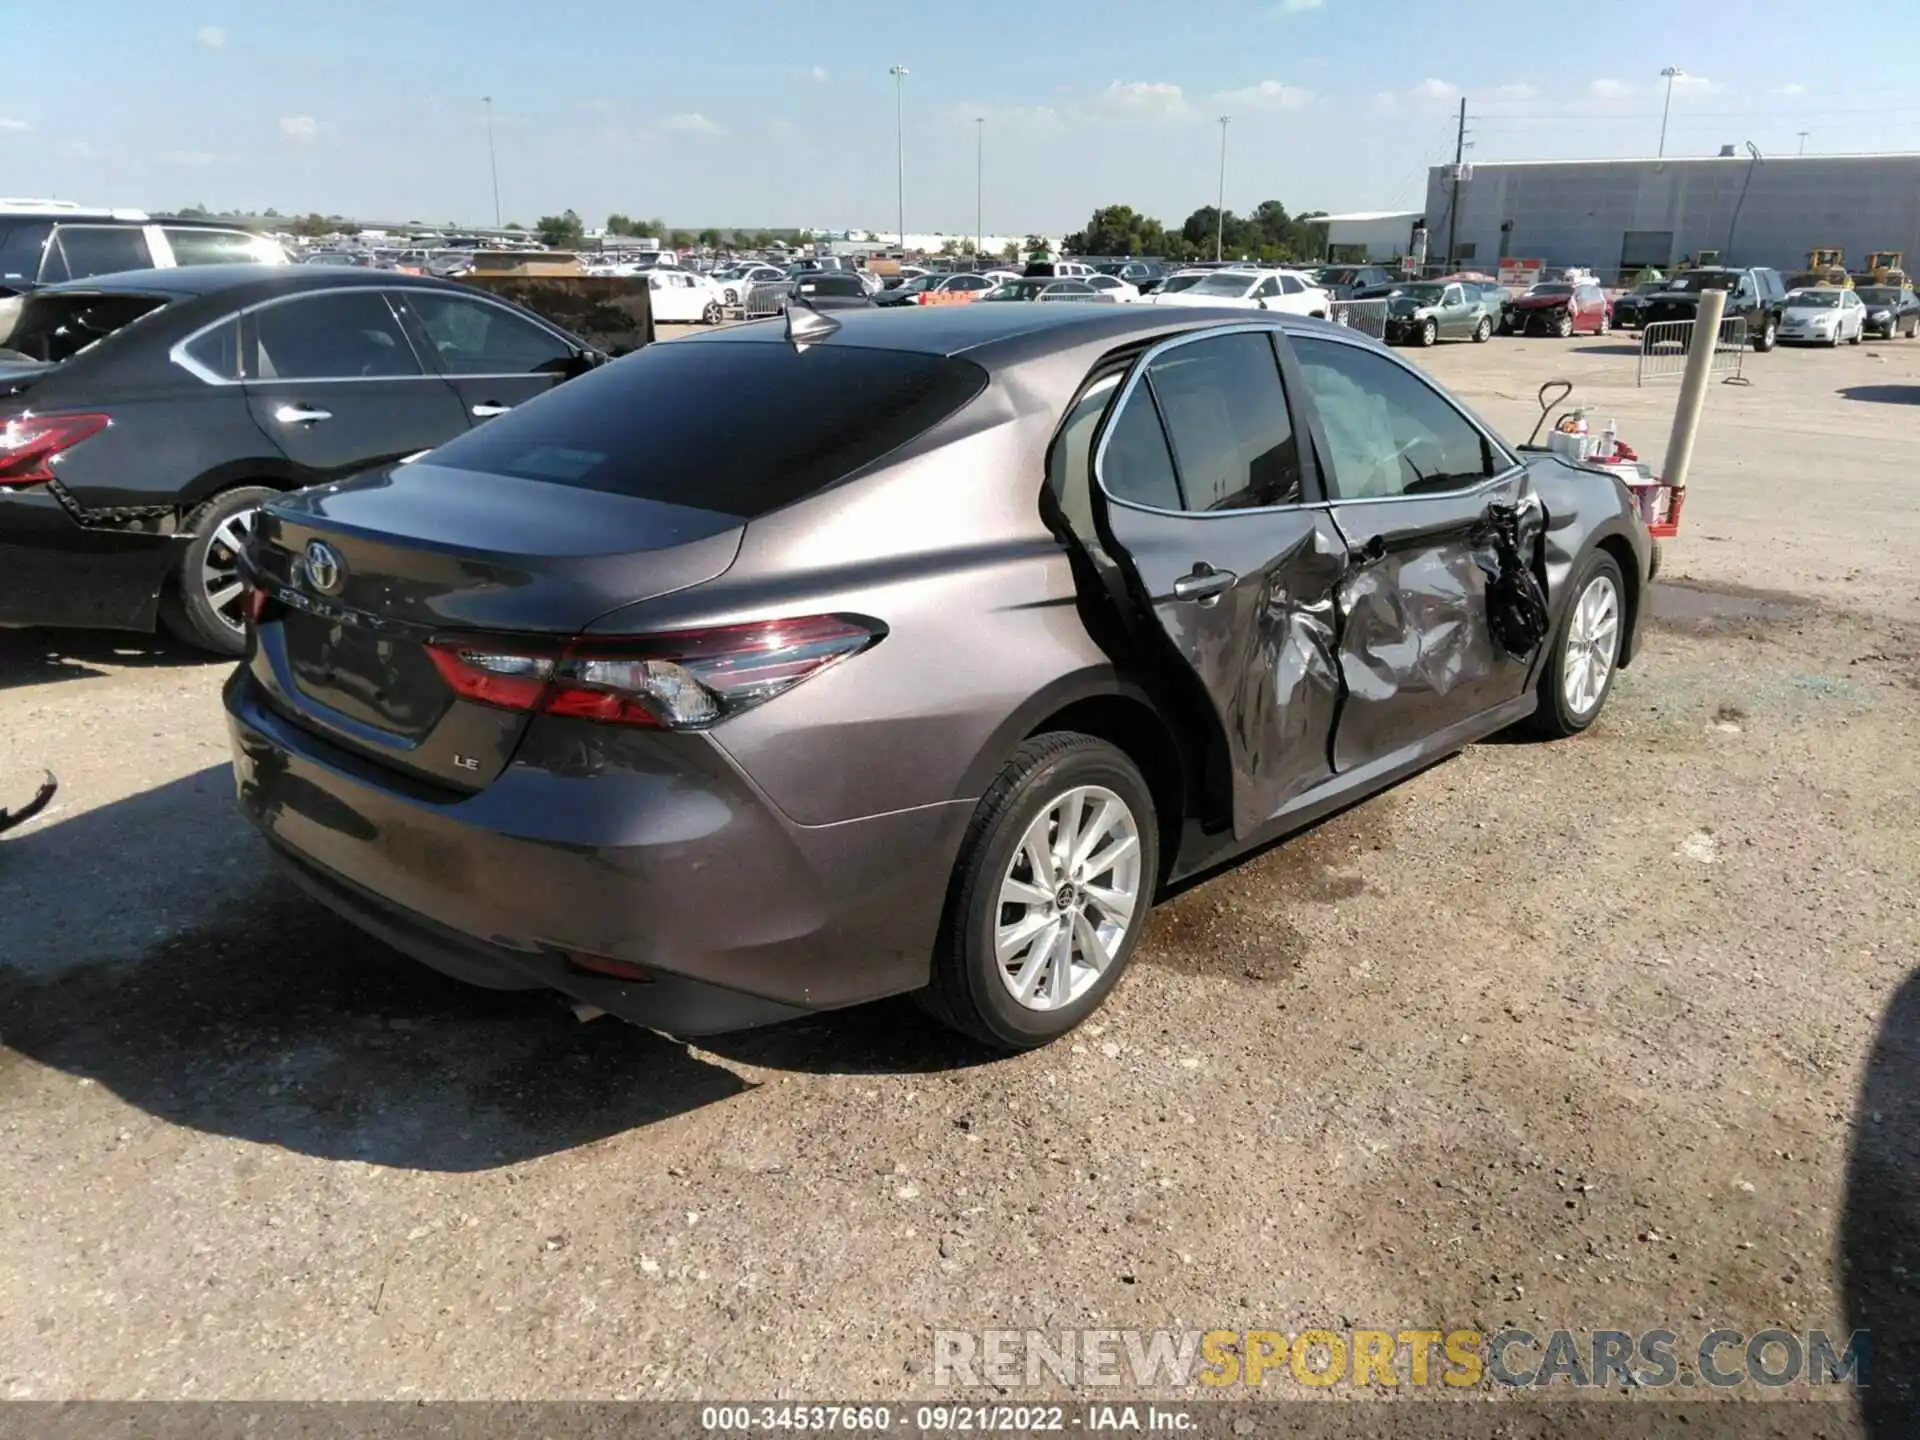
(995, 620)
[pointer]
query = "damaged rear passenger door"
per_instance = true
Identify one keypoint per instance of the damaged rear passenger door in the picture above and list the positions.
(1199, 496)
(1414, 483)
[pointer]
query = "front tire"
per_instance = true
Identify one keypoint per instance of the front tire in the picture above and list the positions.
(711, 315)
(1428, 334)
(204, 606)
(1483, 332)
(1563, 327)
(1585, 656)
(1049, 894)
(1606, 324)
(1768, 337)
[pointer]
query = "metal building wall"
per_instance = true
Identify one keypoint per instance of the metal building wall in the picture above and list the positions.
(1580, 212)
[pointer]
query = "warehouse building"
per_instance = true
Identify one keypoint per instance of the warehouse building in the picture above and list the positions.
(1615, 216)
(1367, 235)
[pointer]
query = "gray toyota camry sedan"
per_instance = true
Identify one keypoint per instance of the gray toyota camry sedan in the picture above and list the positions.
(798, 664)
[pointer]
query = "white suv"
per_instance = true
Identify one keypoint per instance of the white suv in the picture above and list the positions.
(43, 242)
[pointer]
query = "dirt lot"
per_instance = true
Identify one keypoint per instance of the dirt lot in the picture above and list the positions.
(1617, 1033)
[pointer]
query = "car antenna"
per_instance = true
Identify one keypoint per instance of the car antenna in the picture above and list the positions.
(806, 325)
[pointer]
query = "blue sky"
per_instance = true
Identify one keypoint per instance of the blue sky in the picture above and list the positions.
(759, 112)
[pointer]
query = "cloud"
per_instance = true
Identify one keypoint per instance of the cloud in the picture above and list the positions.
(1298, 7)
(12, 126)
(74, 150)
(691, 122)
(1144, 99)
(196, 158)
(1698, 85)
(1791, 88)
(1609, 89)
(1267, 95)
(818, 74)
(1515, 92)
(1028, 122)
(300, 129)
(1429, 94)
(210, 37)
(780, 129)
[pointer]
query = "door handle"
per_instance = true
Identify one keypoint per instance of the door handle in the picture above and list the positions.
(301, 415)
(1205, 584)
(487, 409)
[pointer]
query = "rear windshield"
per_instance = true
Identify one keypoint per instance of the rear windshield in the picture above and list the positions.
(653, 425)
(54, 325)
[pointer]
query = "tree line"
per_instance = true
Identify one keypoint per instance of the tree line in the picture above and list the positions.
(1269, 234)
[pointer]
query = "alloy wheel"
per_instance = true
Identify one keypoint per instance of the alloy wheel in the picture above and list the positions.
(1069, 896)
(1593, 643)
(220, 571)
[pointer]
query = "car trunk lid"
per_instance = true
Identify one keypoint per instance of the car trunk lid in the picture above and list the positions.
(363, 575)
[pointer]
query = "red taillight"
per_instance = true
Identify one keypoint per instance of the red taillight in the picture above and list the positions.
(686, 680)
(29, 444)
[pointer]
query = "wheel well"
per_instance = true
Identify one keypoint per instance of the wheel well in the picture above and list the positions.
(1136, 729)
(1623, 556)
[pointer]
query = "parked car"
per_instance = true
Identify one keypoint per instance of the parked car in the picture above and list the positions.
(1248, 290)
(1559, 307)
(1754, 295)
(147, 416)
(1629, 309)
(935, 284)
(1143, 275)
(1824, 315)
(1063, 269)
(541, 714)
(1112, 285)
(680, 297)
(1041, 287)
(1424, 312)
(736, 280)
(833, 290)
(1892, 310)
(1180, 280)
(1346, 282)
(46, 242)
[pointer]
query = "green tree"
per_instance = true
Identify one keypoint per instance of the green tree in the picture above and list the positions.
(513, 225)
(679, 240)
(710, 238)
(1010, 250)
(762, 239)
(561, 231)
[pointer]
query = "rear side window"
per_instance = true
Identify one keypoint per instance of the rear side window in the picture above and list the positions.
(1227, 417)
(88, 250)
(55, 326)
(215, 353)
(220, 247)
(21, 245)
(648, 426)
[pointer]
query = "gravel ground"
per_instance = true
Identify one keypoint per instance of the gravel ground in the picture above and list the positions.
(1616, 1033)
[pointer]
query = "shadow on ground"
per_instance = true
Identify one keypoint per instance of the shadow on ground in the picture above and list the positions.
(34, 657)
(260, 1015)
(1629, 348)
(1880, 1219)
(1881, 394)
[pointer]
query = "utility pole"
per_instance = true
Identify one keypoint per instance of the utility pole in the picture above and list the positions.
(899, 73)
(1672, 73)
(1459, 158)
(1803, 139)
(1220, 208)
(493, 163)
(979, 185)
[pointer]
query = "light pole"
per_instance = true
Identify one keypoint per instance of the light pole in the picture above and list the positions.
(1672, 73)
(493, 163)
(1754, 151)
(979, 186)
(1803, 139)
(899, 73)
(1220, 207)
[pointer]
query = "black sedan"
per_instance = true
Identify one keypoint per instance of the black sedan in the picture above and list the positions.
(145, 417)
(1892, 310)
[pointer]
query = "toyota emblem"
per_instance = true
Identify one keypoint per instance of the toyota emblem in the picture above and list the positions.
(326, 571)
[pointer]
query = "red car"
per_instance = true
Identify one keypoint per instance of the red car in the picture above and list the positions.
(1559, 308)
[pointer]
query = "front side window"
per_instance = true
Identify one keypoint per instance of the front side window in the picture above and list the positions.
(472, 337)
(348, 335)
(1291, 286)
(1266, 289)
(1389, 433)
(1225, 419)
(82, 251)
(21, 246)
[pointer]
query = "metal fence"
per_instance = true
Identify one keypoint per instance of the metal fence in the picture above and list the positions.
(765, 297)
(1369, 317)
(1665, 344)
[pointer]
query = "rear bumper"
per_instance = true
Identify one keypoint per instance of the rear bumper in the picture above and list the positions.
(56, 571)
(633, 846)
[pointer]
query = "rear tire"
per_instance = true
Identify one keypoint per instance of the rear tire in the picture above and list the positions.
(711, 315)
(980, 959)
(1563, 327)
(1858, 336)
(1592, 628)
(203, 606)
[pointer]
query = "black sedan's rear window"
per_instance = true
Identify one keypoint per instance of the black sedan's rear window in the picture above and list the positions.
(56, 325)
(739, 428)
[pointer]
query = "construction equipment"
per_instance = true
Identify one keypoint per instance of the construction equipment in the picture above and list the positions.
(1826, 265)
(1886, 267)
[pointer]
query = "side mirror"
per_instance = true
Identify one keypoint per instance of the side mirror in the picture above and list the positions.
(1263, 303)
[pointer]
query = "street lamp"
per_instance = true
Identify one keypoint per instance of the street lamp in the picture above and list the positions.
(1754, 151)
(493, 163)
(1672, 73)
(1220, 207)
(979, 185)
(899, 73)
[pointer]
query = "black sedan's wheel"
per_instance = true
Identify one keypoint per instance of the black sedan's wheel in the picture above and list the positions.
(1483, 332)
(1578, 675)
(1049, 894)
(1428, 333)
(204, 608)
